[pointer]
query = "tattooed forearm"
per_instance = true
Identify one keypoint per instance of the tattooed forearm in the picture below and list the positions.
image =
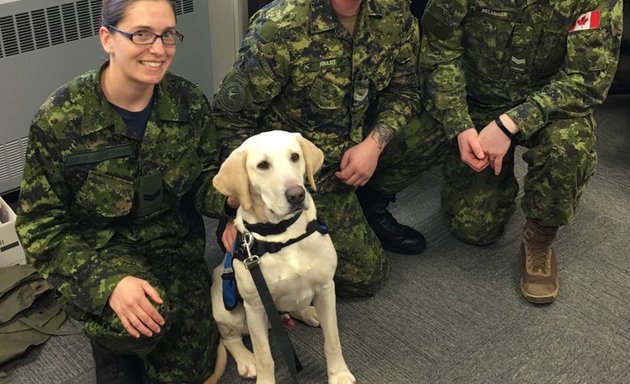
(382, 134)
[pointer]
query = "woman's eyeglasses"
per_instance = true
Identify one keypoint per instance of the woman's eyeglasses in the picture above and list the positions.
(148, 38)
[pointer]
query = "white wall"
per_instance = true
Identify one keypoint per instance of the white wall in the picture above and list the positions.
(228, 22)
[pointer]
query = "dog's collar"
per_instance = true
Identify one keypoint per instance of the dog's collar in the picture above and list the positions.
(266, 229)
(261, 247)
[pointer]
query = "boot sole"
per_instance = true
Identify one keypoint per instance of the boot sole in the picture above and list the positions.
(547, 299)
(403, 251)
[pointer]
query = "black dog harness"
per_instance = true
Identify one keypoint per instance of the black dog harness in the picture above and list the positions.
(231, 297)
(261, 247)
(248, 250)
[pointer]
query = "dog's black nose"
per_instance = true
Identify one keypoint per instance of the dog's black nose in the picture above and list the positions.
(295, 195)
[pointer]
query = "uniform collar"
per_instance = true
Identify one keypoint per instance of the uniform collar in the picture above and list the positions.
(103, 116)
(168, 101)
(323, 16)
(97, 113)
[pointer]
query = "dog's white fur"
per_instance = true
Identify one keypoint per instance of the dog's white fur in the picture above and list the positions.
(261, 173)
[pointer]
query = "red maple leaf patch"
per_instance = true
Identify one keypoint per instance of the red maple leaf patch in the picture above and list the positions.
(582, 20)
(586, 21)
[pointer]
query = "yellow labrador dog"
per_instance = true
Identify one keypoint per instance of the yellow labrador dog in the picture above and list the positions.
(266, 173)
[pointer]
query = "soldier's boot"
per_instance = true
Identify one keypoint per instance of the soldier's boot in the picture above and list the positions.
(539, 276)
(112, 368)
(394, 237)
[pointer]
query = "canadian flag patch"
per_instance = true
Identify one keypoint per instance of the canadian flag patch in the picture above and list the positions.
(589, 20)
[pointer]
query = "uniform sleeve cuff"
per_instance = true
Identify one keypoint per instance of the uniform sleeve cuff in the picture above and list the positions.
(528, 117)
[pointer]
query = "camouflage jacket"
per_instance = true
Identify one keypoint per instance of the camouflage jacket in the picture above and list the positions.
(300, 70)
(88, 180)
(536, 60)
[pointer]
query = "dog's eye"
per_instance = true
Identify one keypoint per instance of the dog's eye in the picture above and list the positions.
(263, 165)
(295, 157)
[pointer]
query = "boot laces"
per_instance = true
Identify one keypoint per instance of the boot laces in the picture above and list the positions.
(389, 219)
(539, 243)
(539, 259)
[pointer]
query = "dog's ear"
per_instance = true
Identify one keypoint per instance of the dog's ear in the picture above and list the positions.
(313, 157)
(232, 179)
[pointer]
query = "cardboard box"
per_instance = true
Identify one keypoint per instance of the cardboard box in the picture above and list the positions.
(11, 251)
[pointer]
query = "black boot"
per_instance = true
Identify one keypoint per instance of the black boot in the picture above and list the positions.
(394, 237)
(117, 369)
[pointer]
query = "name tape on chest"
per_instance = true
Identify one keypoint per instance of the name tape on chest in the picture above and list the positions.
(589, 20)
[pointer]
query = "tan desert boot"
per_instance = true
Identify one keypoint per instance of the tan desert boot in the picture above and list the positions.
(539, 277)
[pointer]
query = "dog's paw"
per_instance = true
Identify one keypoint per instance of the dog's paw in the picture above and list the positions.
(287, 321)
(308, 315)
(344, 377)
(246, 365)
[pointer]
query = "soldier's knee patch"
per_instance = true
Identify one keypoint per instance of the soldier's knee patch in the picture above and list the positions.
(478, 222)
(475, 234)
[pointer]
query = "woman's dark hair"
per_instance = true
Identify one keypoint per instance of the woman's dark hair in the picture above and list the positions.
(114, 10)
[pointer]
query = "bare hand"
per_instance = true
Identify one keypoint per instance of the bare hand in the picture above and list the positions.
(470, 150)
(496, 145)
(229, 235)
(130, 302)
(359, 163)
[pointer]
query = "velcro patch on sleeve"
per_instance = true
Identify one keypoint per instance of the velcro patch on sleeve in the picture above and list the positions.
(589, 20)
(231, 95)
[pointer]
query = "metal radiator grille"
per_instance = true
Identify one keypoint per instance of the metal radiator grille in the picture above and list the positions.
(59, 24)
(12, 158)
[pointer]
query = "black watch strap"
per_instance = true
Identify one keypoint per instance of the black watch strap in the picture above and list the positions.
(502, 127)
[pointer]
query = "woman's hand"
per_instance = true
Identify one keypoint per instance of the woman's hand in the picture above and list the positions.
(130, 301)
(229, 235)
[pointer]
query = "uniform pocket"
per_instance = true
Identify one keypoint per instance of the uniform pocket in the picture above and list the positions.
(105, 195)
(182, 171)
(489, 29)
(550, 54)
(325, 94)
(115, 161)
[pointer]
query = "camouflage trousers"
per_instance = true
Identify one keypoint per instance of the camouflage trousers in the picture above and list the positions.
(362, 266)
(560, 159)
(185, 349)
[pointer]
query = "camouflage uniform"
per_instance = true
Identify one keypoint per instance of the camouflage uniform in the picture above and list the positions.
(300, 70)
(483, 59)
(98, 204)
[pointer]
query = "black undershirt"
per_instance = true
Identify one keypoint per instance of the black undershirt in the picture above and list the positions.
(136, 121)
